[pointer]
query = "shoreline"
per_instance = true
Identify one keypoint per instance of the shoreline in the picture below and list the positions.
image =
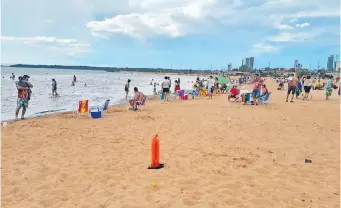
(69, 112)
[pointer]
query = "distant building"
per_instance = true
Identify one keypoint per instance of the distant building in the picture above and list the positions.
(299, 66)
(229, 67)
(296, 65)
(247, 62)
(252, 61)
(330, 62)
(242, 62)
(337, 66)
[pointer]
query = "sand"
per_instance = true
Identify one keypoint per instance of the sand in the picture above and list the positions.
(216, 154)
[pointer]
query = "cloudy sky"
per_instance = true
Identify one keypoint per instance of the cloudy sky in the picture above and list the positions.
(165, 33)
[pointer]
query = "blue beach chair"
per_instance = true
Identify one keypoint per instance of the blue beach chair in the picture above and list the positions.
(265, 99)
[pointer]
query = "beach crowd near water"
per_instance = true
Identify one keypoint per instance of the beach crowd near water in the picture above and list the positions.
(225, 141)
(297, 87)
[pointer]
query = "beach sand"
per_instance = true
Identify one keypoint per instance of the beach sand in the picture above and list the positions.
(216, 154)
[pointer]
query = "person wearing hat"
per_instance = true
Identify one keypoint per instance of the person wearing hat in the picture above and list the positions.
(24, 93)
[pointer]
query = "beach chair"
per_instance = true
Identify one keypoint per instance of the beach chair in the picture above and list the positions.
(139, 105)
(82, 107)
(265, 98)
(102, 108)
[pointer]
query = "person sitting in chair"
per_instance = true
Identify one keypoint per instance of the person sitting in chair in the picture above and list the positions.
(139, 96)
(234, 92)
(264, 90)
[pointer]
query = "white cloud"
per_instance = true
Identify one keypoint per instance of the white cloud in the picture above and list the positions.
(68, 46)
(158, 17)
(285, 27)
(264, 48)
(294, 37)
(48, 21)
(302, 25)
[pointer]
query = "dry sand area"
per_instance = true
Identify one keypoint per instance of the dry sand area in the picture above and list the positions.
(216, 154)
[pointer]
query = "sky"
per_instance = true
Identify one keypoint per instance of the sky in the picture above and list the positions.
(194, 34)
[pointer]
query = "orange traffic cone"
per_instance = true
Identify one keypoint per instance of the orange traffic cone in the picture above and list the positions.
(155, 154)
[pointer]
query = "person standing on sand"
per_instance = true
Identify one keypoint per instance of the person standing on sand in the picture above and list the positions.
(126, 88)
(74, 78)
(329, 88)
(210, 87)
(54, 88)
(308, 83)
(165, 88)
(23, 87)
(256, 92)
(299, 88)
(292, 85)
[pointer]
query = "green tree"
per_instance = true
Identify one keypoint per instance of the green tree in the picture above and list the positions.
(245, 68)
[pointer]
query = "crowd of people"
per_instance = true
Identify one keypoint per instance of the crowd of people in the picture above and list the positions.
(299, 87)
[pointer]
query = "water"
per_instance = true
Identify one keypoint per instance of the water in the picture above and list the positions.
(101, 85)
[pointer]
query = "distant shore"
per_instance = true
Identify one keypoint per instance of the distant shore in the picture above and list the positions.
(114, 69)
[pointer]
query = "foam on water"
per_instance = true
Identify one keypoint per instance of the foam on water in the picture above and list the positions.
(101, 85)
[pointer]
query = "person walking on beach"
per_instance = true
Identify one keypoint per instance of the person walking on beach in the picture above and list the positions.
(74, 78)
(308, 83)
(210, 87)
(292, 85)
(165, 88)
(54, 88)
(299, 88)
(23, 87)
(256, 92)
(126, 88)
(329, 88)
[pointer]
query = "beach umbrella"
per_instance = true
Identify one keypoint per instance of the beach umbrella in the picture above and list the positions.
(224, 81)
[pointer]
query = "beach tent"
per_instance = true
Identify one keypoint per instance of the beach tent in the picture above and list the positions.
(224, 80)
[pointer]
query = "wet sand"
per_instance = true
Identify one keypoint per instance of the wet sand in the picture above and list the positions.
(216, 154)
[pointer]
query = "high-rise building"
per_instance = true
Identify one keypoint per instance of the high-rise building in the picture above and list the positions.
(247, 62)
(229, 67)
(252, 60)
(337, 66)
(242, 62)
(296, 65)
(330, 63)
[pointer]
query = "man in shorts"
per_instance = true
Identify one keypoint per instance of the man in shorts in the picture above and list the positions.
(210, 86)
(126, 88)
(292, 85)
(23, 87)
(256, 92)
(165, 87)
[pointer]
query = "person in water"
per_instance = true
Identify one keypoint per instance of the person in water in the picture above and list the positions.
(23, 87)
(13, 76)
(126, 88)
(54, 88)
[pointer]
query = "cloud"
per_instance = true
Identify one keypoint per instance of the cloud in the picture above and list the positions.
(285, 27)
(306, 24)
(48, 21)
(68, 46)
(264, 48)
(161, 17)
(294, 37)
